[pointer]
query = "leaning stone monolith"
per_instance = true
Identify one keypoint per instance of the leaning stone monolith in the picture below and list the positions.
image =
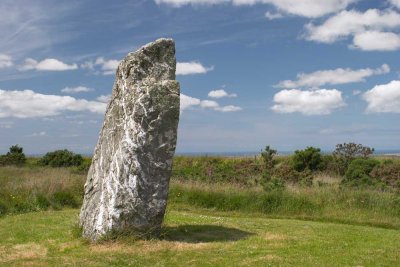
(127, 184)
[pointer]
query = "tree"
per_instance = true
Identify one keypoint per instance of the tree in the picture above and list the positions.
(345, 153)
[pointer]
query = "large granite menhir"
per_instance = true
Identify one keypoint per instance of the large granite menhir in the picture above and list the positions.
(127, 184)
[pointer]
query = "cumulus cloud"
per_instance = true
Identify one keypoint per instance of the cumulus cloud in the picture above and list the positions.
(310, 8)
(29, 104)
(5, 61)
(229, 108)
(188, 102)
(104, 98)
(193, 67)
(209, 104)
(107, 67)
(312, 102)
(78, 89)
(48, 64)
(384, 98)
(377, 41)
(220, 93)
(336, 76)
(395, 3)
(355, 23)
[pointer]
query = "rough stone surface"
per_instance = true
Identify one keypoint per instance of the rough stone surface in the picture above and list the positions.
(127, 184)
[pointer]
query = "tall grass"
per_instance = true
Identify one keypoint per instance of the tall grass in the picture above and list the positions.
(328, 203)
(211, 183)
(37, 188)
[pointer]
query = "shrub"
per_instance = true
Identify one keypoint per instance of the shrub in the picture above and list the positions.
(61, 158)
(63, 198)
(307, 159)
(42, 202)
(3, 209)
(388, 172)
(242, 171)
(358, 172)
(15, 156)
(268, 181)
(273, 184)
(268, 157)
(285, 171)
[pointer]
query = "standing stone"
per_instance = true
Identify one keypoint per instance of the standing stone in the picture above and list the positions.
(127, 184)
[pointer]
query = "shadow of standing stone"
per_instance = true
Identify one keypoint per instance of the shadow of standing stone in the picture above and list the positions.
(203, 233)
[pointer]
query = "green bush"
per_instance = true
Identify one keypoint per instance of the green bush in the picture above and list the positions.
(61, 158)
(64, 198)
(3, 209)
(15, 156)
(244, 171)
(307, 159)
(285, 171)
(388, 172)
(358, 172)
(42, 202)
(329, 164)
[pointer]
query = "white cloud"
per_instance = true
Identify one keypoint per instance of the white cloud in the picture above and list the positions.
(272, 16)
(354, 23)
(78, 89)
(396, 3)
(376, 41)
(188, 102)
(336, 76)
(28, 104)
(107, 67)
(229, 108)
(383, 98)
(104, 98)
(49, 64)
(5, 61)
(309, 8)
(357, 92)
(219, 93)
(313, 102)
(209, 104)
(193, 67)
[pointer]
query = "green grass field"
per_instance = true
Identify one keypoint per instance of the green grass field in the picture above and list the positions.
(218, 215)
(199, 238)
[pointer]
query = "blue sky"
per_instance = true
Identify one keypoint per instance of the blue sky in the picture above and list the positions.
(286, 73)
